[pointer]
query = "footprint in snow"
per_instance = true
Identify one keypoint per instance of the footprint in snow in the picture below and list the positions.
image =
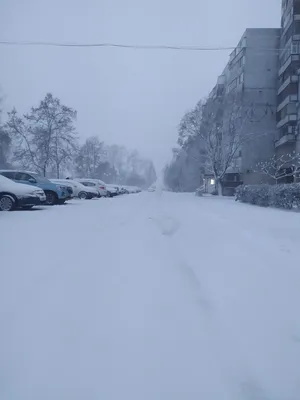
(167, 225)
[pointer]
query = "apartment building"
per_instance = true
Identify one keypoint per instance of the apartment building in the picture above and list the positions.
(288, 114)
(252, 73)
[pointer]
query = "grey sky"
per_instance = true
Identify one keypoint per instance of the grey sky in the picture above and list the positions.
(131, 97)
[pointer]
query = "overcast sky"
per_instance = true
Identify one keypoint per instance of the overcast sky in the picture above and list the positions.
(130, 97)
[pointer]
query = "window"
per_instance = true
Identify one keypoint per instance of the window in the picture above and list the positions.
(297, 27)
(232, 85)
(8, 174)
(22, 176)
(40, 178)
(295, 48)
(88, 183)
(287, 19)
(241, 61)
(286, 37)
(241, 78)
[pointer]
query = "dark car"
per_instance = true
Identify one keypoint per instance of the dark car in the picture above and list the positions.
(15, 195)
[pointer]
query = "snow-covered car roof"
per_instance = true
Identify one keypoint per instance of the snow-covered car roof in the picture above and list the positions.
(16, 188)
(90, 180)
(76, 184)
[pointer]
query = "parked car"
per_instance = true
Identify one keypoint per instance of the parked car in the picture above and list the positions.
(95, 183)
(133, 189)
(112, 190)
(15, 195)
(79, 190)
(123, 190)
(55, 194)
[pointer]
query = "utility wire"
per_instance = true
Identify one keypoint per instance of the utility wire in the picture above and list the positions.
(130, 46)
(118, 45)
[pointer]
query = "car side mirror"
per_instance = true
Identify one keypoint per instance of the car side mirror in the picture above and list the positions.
(31, 180)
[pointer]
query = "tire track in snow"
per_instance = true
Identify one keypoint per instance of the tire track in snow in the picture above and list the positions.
(242, 384)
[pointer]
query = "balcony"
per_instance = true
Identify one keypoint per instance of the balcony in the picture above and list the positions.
(289, 138)
(293, 57)
(290, 79)
(286, 51)
(292, 98)
(286, 119)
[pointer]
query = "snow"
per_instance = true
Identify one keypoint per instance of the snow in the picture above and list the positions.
(150, 296)
(18, 189)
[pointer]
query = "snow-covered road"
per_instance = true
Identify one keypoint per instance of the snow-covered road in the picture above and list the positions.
(155, 296)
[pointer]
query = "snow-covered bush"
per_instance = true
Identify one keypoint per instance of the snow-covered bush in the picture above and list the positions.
(253, 194)
(281, 196)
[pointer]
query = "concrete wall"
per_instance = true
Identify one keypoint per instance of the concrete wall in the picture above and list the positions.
(260, 98)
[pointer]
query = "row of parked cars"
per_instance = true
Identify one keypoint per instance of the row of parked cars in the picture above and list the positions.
(24, 189)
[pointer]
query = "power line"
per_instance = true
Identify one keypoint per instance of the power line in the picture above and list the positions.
(117, 45)
(131, 46)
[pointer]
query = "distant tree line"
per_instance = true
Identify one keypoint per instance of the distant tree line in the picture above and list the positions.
(45, 140)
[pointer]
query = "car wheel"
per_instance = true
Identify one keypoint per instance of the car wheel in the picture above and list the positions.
(7, 203)
(82, 195)
(61, 202)
(51, 198)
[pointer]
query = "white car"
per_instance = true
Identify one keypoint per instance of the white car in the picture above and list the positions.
(18, 195)
(132, 189)
(79, 190)
(95, 183)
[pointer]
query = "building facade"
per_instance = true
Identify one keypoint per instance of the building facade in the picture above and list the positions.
(288, 113)
(252, 75)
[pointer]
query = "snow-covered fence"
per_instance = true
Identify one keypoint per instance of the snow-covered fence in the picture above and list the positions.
(281, 196)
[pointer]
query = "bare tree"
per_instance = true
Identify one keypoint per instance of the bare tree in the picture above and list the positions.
(190, 124)
(45, 137)
(90, 156)
(223, 132)
(4, 143)
(280, 167)
(24, 150)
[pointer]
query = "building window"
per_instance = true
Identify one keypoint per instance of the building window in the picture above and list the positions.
(241, 78)
(287, 19)
(232, 85)
(288, 35)
(296, 27)
(295, 48)
(241, 61)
